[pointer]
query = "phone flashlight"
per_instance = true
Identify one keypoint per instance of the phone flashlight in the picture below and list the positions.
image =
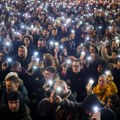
(68, 61)
(56, 44)
(83, 53)
(107, 72)
(35, 53)
(95, 109)
(9, 60)
(89, 58)
(90, 83)
(50, 82)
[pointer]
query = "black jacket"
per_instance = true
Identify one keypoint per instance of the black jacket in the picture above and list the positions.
(86, 107)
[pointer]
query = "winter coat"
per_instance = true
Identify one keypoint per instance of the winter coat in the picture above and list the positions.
(85, 108)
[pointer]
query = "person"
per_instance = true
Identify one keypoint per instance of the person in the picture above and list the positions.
(76, 78)
(113, 102)
(13, 83)
(55, 111)
(46, 83)
(42, 47)
(90, 108)
(102, 88)
(22, 56)
(110, 60)
(112, 86)
(116, 75)
(15, 108)
(28, 42)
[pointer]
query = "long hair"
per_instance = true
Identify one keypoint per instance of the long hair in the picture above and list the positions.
(48, 61)
(25, 49)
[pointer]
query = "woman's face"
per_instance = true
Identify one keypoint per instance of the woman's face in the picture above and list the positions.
(101, 81)
(110, 104)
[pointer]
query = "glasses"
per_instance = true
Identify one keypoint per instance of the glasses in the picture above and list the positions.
(75, 66)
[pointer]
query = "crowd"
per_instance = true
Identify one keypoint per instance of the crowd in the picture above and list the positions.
(59, 59)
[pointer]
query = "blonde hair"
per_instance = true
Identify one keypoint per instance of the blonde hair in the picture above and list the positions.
(50, 57)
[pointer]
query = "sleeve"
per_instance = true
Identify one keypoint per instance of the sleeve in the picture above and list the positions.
(71, 106)
(104, 55)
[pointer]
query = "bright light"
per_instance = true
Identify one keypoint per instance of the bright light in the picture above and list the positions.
(89, 58)
(50, 82)
(91, 81)
(9, 60)
(61, 47)
(35, 53)
(51, 43)
(83, 53)
(56, 43)
(7, 43)
(107, 72)
(59, 89)
(95, 108)
(34, 67)
(68, 61)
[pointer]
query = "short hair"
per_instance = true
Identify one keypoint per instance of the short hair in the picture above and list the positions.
(15, 95)
(14, 79)
(76, 60)
(41, 39)
(16, 64)
(60, 83)
(11, 74)
(29, 37)
(51, 69)
(115, 51)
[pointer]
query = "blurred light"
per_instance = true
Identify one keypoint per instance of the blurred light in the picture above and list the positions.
(58, 89)
(51, 43)
(95, 108)
(68, 61)
(107, 72)
(56, 44)
(89, 58)
(9, 60)
(83, 53)
(50, 82)
(35, 53)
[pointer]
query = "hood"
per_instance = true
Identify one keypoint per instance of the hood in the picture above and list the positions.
(90, 101)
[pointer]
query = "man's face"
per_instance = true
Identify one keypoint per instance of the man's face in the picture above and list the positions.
(76, 67)
(14, 105)
(41, 44)
(21, 52)
(118, 65)
(11, 86)
(92, 50)
(48, 75)
(50, 27)
(26, 42)
(114, 44)
(54, 32)
(114, 56)
(45, 33)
